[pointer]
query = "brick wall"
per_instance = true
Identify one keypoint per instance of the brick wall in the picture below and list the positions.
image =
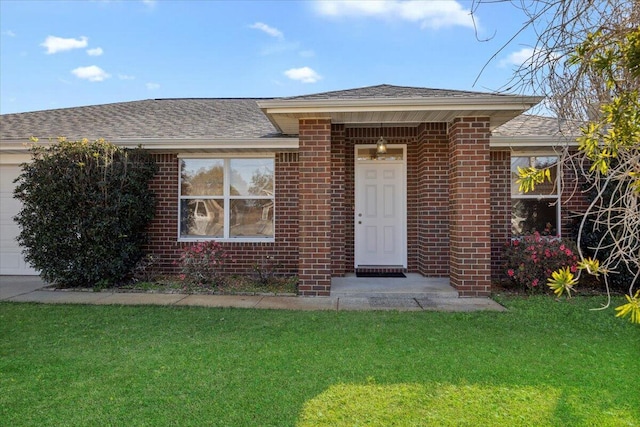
(470, 210)
(433, 200)
(573, 202)
(314, 204)
(500, 209)
(339, 208)
(163, 230)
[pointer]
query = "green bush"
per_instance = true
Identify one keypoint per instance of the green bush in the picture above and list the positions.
(597, 235)
(86, 207)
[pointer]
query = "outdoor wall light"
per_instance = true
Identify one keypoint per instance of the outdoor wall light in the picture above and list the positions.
(381, 146)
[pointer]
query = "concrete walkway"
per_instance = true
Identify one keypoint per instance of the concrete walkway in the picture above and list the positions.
(414, 293)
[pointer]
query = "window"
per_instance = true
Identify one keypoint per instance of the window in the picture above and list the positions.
(226, 198)
(537, 210)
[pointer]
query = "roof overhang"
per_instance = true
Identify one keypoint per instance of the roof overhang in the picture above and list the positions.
(528, 142)
(172, 145)
(286, 113)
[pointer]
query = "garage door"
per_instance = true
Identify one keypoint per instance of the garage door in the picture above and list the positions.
(11, 260)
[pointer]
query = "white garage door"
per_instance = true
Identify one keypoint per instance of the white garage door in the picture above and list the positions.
(11, 260)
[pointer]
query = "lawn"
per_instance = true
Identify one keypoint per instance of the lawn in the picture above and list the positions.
(542, 363)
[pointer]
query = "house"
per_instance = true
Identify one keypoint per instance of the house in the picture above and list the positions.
(382, 178)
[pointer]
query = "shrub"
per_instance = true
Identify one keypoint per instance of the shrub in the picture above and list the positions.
(595, 234)
(531, 259)
(200, 263)
(86, 207)
(266, 270)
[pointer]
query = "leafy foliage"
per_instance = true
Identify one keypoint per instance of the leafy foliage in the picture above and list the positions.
(562, 281)
(631, 308)
(532, 259)
(608, 60)
(86, 207)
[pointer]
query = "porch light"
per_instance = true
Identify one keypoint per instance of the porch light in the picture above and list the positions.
(381, 146)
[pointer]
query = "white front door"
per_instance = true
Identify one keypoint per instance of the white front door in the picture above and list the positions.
(380, 212)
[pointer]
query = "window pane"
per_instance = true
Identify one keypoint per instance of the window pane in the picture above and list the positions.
(199, 217)
(202, 177)
(546, 188)
(529, 215)
(371, 154)
(252, 177)
(251, 218)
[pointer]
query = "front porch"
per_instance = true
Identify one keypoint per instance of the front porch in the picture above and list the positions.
(413, 286)
(412, 293)
(425, 210)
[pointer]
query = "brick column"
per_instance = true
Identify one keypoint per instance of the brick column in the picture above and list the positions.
(314, 203)
(470, 207)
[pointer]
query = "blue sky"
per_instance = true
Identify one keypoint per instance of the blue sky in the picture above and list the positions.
(56, 54)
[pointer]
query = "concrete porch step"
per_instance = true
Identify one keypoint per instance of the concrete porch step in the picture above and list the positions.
(413, 286)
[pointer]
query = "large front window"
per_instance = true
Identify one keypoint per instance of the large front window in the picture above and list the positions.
(537, 210)
(226, 198)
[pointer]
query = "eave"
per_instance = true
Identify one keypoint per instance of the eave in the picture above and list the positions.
(285, 114)
(183, 145)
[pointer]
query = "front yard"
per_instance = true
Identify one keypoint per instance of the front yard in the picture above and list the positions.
(541, 363)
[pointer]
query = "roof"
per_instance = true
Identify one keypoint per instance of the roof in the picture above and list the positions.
(153, 118)
(532, 125)
(389, 91)
(387, 104)
(262, 123)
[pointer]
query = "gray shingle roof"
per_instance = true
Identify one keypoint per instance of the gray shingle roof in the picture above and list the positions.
(217, 118)
(531, 125)
(154, 118)
(390, 91)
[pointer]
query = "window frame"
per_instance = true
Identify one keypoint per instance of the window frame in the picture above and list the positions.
(557, 197)
(226, 196)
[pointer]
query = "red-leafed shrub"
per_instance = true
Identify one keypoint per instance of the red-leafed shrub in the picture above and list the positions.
(532, 258)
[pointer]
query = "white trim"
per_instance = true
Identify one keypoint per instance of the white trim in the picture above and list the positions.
(483, 102)
(14, 159)
(229, 155)
(402, 162)
(227, 199)
(528, 142)
(551, 197)
(19, 146)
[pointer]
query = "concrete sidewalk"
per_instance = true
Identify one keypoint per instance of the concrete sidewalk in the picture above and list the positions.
(32, 289)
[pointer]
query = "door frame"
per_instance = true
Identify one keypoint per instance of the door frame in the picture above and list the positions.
(403, 195)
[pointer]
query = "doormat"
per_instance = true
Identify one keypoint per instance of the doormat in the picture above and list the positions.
(377, 274)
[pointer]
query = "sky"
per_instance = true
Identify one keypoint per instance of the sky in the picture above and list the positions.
(58, 54)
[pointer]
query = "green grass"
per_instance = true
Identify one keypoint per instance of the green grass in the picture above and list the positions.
(541, 363)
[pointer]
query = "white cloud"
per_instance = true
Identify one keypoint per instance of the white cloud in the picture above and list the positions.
(152, 86)
(9, 33)
(517, 58)
(93, 73)
(273, 32)
(150, 3)
(430, 14)
(304, 74)
(58, 44)
(125, 77)
(95, 51)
